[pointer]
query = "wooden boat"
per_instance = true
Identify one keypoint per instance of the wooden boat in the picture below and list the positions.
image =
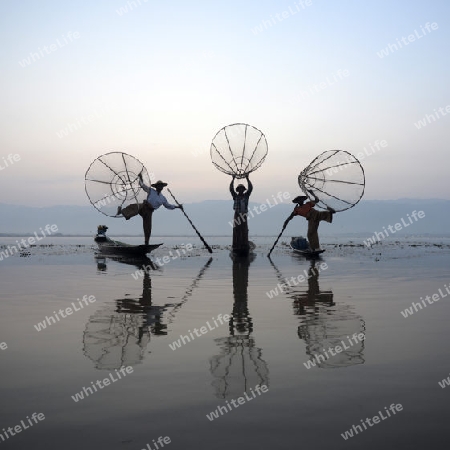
(109, 246)
(301, 245)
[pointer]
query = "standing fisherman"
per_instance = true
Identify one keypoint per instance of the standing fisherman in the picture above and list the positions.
(313, 217)
(241, 245)
(145, 209)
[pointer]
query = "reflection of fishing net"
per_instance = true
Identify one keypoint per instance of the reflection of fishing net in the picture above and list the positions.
(115, 339)
(238, 149)
(238, 368)
(337, 179)
(324, 327)
(112, 180)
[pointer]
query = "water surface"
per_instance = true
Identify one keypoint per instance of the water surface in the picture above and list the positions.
(267, 341)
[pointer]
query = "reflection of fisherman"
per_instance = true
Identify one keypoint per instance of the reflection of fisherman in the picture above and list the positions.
(240, 226)
(313, 217)
(313, 293)
(326, 330)
(145, 209)
(239, 366)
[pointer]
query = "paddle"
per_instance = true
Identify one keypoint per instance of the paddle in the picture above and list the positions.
(284, 226)
(190, 221)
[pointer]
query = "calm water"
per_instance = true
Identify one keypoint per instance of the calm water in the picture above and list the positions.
(350, 291)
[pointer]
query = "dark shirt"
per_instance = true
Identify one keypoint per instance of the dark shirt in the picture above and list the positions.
(303, 210)
(240, 205)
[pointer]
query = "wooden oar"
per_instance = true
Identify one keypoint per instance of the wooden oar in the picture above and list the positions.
(190, 221)
(284, 226)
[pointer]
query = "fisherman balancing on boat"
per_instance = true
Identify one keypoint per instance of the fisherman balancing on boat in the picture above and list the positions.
(313, 217)
(241, 244)
(145, 209)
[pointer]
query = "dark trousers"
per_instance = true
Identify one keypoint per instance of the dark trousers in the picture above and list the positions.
(314, 218)
(240, 234)
(146, 212)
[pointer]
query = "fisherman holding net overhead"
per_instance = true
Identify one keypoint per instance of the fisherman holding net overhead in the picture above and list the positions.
(145, 209)
(238, 150)
(313, 217)
(240, 226)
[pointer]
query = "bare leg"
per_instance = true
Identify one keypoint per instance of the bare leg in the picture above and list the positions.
(147, 213)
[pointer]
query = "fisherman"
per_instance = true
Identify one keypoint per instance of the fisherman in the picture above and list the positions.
(241, 244)
(145, 209)
(313, 217)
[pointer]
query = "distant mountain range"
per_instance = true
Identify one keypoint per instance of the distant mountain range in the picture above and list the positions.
(214, 217)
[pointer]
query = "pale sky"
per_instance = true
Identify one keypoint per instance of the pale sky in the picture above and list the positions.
(159, 81)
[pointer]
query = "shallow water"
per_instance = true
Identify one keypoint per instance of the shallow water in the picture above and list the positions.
(350, 291)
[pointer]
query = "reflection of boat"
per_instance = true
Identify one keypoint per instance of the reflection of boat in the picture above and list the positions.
(111, 247)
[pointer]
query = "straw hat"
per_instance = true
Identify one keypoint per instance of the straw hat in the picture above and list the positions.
(299, 199)
(159, 183)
